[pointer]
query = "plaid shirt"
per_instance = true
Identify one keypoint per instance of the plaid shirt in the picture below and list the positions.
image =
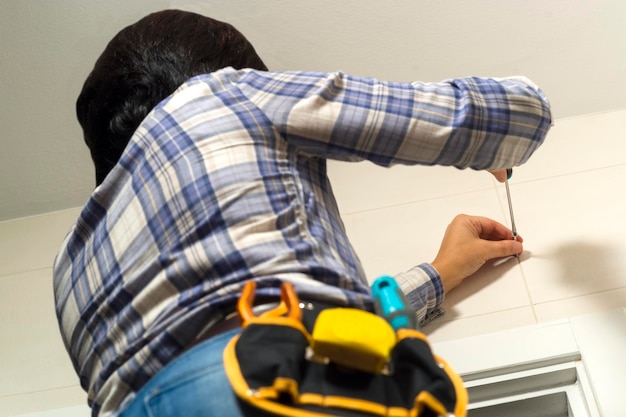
(225, 182)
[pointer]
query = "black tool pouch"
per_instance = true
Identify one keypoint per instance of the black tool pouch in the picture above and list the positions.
(271, 366)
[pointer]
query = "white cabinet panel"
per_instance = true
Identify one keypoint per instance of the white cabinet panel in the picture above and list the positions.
(571, 368)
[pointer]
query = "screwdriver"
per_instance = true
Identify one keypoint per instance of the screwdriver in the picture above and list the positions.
(509, 174)
(391, 304)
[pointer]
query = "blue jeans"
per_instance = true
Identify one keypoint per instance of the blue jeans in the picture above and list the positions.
(192, 385)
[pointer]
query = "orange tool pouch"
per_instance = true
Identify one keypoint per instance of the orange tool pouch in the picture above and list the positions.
(279, 366)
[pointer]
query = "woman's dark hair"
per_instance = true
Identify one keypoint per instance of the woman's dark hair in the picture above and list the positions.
(142, 65)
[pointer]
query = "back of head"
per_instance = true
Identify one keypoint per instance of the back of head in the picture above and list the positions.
(142, 65)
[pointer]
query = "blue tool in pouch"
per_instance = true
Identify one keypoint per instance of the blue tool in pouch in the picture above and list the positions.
(391, 304)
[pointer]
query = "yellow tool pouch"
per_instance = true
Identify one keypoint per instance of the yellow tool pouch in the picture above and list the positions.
(346, 365)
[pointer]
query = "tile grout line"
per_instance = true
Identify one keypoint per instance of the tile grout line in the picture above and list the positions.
(589, 115)
(519, 262)
(494, 186)
(473, 316)
(25, 271)
(580, 295)
(407, 203)
(530, 298)
(41, 215)
(41, 390)
(567, 174)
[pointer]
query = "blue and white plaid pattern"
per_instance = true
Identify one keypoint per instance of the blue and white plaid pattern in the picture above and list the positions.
(225, 182)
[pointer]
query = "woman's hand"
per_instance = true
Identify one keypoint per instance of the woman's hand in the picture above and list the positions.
(468, 243)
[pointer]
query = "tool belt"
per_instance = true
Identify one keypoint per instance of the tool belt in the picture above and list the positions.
(351, 363)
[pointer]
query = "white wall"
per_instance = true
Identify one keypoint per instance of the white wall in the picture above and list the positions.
(77, 411)
(574, 49)
(36, 373)
(48, 48)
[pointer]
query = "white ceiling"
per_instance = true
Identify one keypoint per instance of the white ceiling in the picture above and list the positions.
(574, 49)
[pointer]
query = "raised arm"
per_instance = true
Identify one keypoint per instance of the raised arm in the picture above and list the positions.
(480, 123)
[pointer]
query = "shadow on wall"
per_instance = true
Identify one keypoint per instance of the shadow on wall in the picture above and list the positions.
(583, 262)
(483, 278)
(583, 267)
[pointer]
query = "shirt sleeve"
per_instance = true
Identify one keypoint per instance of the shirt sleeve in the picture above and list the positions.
(423, 288)
(480, 123)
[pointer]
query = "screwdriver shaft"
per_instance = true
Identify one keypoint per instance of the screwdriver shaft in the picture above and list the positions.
(508, 197)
